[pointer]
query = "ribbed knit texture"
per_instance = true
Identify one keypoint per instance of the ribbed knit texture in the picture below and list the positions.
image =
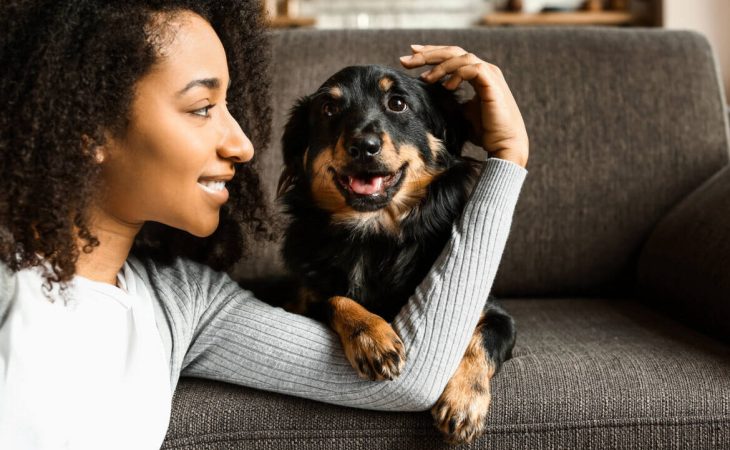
(214, 329)
(211, 328)
(586, 373)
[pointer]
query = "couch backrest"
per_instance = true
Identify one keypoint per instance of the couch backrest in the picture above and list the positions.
(622, 125)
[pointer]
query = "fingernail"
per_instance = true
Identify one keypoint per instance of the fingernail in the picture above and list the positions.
(416, 46)
(406, 58)
(425, 74)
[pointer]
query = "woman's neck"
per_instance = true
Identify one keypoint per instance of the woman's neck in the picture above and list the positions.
(115, 242)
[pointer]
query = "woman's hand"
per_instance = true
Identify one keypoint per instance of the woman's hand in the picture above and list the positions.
(493, 111)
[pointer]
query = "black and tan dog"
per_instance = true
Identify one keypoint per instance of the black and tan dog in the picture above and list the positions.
(373, 181)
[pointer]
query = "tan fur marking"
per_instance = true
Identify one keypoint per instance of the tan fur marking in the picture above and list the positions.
(336, 92)
(372, 347)
(385, 84)
(323, 187)
(461, 411)
(389, 154)
(415, 186)
(304, 158)
(413, 189)
(436, 145)
(412, 192)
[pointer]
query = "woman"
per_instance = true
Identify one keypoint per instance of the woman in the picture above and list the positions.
(124, 177)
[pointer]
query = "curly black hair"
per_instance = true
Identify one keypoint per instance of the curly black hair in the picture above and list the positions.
(68, 75)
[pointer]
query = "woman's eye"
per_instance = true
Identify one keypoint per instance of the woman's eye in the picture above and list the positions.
(397, 104)
(330, 109)
(203, 112)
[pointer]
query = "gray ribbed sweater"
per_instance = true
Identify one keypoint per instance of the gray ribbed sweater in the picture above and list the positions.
(211, 328)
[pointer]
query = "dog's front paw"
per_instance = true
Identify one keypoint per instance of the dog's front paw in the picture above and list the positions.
(461, 411)
(370, 343)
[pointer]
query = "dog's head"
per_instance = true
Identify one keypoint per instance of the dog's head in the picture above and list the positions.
(368, 143)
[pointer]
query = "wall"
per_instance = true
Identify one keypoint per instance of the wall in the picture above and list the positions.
(395, 13)
(709, 17)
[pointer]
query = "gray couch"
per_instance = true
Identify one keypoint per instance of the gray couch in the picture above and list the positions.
(617, 270)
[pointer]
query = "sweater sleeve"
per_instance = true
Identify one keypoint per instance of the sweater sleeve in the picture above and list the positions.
(220, 331)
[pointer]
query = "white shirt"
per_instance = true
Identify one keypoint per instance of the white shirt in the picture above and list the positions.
(89, 373)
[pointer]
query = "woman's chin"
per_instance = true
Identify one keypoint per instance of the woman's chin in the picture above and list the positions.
(203, 229)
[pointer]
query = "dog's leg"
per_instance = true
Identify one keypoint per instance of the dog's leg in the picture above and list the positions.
(372, 347)
(461, 411)
(304, 303)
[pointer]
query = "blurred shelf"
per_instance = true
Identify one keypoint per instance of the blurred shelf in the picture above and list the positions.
(562, 18)
(291, 22)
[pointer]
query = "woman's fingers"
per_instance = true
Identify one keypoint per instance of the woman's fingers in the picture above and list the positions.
(493, 112)
(450, 60)
(480, 75)
(430, 54)
(450, 65)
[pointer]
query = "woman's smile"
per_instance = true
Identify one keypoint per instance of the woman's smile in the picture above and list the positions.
(215, 187)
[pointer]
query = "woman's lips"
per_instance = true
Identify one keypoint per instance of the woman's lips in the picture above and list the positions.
(215, 189)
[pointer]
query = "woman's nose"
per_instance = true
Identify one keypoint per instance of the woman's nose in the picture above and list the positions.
(234, 144)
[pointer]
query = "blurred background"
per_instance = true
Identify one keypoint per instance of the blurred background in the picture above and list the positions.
(709, 17)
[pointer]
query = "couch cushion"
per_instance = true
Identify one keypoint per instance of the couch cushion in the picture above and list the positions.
(586, 373)
(683, 268)
(622, 125)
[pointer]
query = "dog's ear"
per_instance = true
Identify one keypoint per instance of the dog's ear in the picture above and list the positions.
(294, 144)
(448, 120)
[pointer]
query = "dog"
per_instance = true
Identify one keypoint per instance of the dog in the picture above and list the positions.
(373, 181)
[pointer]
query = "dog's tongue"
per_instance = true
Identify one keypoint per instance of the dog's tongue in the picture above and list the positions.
(366, 186)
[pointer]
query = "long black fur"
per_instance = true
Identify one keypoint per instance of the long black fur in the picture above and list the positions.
(322, 254)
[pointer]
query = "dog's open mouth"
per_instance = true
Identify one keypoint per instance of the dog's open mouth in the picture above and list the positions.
(368, 191)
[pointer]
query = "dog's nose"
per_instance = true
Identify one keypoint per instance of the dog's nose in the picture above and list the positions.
(365, 146)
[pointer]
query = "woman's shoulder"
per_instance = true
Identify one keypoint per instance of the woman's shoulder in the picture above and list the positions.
(180, 273)
(7, 279)
(7, 287)
(176, 266)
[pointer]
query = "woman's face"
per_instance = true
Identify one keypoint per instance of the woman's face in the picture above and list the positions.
(182, 143)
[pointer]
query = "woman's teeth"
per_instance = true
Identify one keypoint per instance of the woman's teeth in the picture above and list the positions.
(213, 186)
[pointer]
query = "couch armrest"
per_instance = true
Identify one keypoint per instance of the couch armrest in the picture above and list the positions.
(684, 267)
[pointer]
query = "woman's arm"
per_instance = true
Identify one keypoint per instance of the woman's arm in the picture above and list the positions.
(231, 336)
(236, 338)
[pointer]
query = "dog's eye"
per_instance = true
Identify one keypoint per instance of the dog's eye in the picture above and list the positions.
(397, 104)
(329, 109)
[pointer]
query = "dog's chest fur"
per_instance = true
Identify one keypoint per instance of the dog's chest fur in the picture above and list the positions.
(378, 270)
(378, 273)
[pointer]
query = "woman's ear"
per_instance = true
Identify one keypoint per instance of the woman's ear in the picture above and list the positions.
(294, 144)
(449, 121)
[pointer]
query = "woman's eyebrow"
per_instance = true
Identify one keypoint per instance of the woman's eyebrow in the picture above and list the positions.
(210, 83)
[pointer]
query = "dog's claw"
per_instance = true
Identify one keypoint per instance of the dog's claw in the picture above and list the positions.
(376, 355)
(371, 345)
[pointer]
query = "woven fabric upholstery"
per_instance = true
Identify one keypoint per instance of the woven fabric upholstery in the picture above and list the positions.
(684, 266)
(586, 373)
(622, 123)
